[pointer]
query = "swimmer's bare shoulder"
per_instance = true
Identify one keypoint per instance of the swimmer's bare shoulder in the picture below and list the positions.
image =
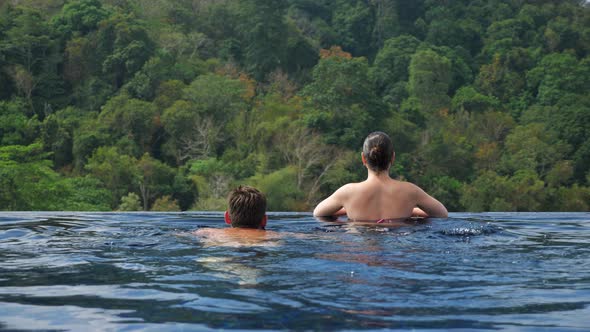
(346, 190)
(241, 237)
(335, 202)
(424, 201)
(237, 237)
(238, 232)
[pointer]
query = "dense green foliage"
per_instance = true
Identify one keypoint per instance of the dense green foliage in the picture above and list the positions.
(167, 104)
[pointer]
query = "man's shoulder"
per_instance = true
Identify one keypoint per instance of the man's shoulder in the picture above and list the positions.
(237, 237)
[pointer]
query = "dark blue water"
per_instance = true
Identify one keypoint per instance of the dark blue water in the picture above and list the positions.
(85, 271)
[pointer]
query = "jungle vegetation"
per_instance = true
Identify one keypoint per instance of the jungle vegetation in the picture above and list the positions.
(165, 105)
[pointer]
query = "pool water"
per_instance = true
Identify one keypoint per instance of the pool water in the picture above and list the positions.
(147, 271)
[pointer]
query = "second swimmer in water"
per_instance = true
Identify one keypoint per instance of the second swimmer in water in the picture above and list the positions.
(380, 198)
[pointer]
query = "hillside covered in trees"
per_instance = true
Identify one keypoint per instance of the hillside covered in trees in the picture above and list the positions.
(167, 104)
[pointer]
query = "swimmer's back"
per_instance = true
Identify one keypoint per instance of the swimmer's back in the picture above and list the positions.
(380, 198)
(374, 200)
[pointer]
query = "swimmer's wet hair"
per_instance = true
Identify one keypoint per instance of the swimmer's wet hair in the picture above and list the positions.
(247, 207)
(378, 151)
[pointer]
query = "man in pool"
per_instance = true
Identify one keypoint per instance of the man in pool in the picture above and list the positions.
(246, 208)
(380, 198)
(246, 213)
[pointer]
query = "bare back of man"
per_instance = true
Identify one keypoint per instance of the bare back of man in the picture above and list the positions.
(237, 237)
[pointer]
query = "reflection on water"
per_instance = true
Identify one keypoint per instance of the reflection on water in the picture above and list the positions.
(93, 271)
(228, 268)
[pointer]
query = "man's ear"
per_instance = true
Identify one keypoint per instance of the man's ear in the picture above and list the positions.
(227, 219)
(264, 220)
(393, 158)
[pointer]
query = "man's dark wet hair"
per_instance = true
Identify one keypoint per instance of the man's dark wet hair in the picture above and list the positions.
(246, 207)
(378, 151)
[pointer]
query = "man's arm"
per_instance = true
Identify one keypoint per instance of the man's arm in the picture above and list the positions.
(331, 206)
(430, 205)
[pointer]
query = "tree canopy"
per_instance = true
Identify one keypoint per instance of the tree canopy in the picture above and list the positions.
(166, 105)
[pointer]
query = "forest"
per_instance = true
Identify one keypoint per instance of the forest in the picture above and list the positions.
(165, 105)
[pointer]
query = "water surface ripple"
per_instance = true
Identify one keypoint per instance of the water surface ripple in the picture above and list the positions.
(146, 271)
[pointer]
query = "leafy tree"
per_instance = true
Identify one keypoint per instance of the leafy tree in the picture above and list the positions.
(22, 170)
(574, 198)
(212, 182)
(300, 54)
(533, 147)
(310, 158)
(29, 49)
(461, 66)
(491, 192)
(390, 69)
(403, 132)
(165, 203)
(487, 131)
(567, 30)
(124, 44)
(85, 194)
(91, 94)
(168, 92)
(313, 18)
(119, 173)
(486, 101)
(570, 119)
(557, 75)
(272, 117)
(581, 160)
(341, 102)
(430, 78)
(155, 179)
(15, 126)
(448, 190)
(220, 21)
(197, 123)
(87, 138)
(130, 202)
(447, 27)
(346, 168)
(440, 155)
(505, 34)
(500, 80)
(265, 34)
(387, 22)
(27, 182)
(77, 66)
(280, 188)
(184, 190)
(133, 119)
(469, 35)
(58, 131)
(26, 38)
(158, 69)
(352, 20)
(469, 99)
(560, 174)
(80, 17)
(221, 97)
